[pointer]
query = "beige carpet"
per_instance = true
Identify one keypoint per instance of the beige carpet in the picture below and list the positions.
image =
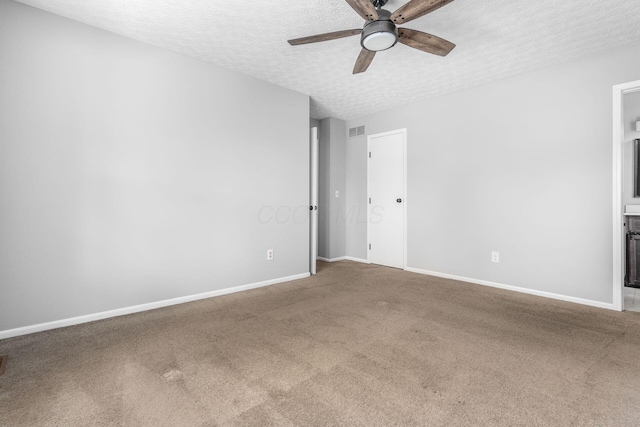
(356, 345)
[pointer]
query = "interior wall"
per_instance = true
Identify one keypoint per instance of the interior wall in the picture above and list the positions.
(337, 194)
(356, 198)
(332, 179)
(324, 187)
(130, 174)
(631, 114)
(521, 166)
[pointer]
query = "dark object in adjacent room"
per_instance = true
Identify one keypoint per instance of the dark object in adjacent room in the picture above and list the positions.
(631, 278)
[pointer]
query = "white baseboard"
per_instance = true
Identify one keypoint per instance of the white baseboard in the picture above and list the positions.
(142, 307)
(364, 261)
(515, 288)
(342, 258)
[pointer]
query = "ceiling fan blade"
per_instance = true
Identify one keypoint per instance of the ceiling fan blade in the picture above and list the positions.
(415, 9)
(364, 8)
(425, 42)
(363, 61)
(324, 37)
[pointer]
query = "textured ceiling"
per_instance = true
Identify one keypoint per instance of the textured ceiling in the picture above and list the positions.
(495, 39)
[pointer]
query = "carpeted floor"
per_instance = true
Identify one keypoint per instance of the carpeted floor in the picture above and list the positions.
(356, 345)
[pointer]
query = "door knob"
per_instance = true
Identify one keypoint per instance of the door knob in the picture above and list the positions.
(399, 200)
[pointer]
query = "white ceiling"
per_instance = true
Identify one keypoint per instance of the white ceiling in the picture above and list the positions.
(495, 39)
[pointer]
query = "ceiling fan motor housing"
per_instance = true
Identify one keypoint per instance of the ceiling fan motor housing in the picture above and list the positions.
(379, 3)
(381, 34)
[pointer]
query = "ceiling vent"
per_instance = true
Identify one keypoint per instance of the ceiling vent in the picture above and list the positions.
(357, 131)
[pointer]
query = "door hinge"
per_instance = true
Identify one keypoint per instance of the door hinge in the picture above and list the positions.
(369, 200)
(369, 154)
(369, 246)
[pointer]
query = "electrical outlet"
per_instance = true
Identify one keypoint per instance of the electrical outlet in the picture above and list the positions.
(269, 254)
(495, 256)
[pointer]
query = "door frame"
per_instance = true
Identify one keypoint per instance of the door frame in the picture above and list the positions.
(618, 229)
(313, 200)
(402, 131)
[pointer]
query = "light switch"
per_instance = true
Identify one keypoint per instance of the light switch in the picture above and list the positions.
(337, 194)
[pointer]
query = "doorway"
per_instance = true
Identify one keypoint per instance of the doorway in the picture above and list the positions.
(387, 201)
(619, 232)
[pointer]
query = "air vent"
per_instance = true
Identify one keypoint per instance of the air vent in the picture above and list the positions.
(357, 131)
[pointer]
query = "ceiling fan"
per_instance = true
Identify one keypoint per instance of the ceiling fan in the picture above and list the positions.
(380, 32)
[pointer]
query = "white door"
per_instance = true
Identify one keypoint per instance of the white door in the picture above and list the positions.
(387, 204)
(313, 202)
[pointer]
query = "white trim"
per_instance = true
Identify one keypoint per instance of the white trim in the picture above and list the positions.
(368, 202)
(618, 230)
(618, 135)
(342, 258)
(350, 258)
(403, 131)
(313, 190)
(515, 288)
(142, 307)
(404, 202)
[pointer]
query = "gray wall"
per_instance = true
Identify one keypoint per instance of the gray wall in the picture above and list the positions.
(522, 166)
(356, 198)
(324, 187)
(631, 111)
(338, 180)
(332, 178)
(129, 174)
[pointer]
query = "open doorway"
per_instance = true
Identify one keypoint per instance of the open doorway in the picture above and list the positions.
(626, 206)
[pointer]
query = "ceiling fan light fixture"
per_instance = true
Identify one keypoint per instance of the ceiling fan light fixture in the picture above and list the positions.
(379, 41)
(379, 35)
